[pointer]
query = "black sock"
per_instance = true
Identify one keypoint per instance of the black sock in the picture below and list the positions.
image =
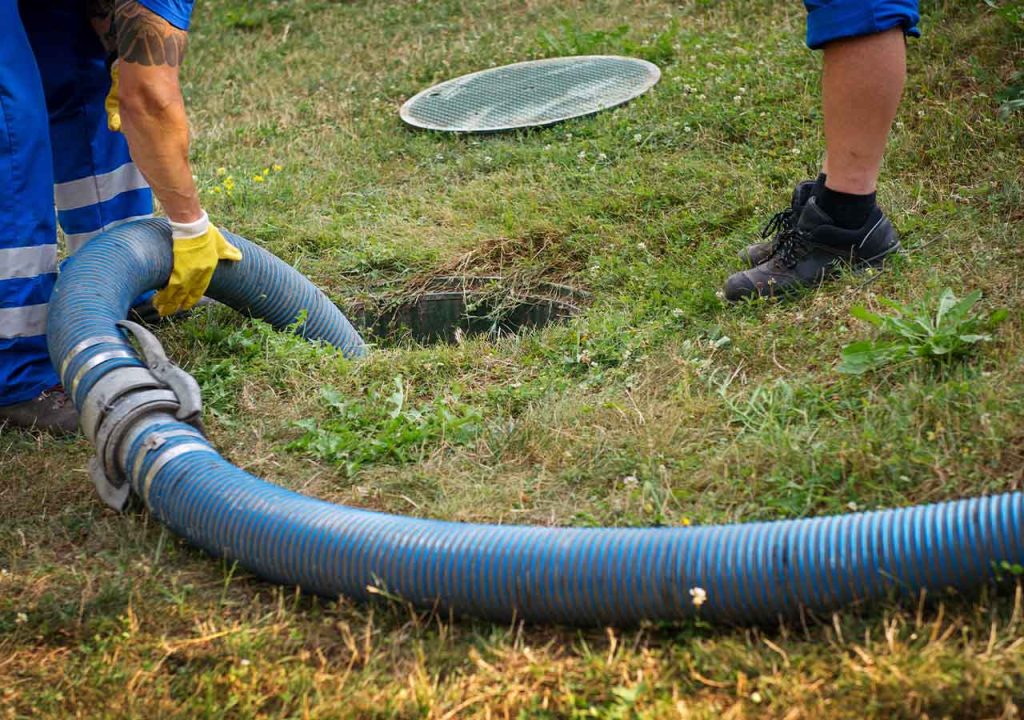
(848, 211)
(819, 183)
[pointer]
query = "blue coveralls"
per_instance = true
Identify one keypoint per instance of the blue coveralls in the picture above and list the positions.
(52, 65)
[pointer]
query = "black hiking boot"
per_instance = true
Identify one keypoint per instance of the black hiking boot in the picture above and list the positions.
(51, 410)
(781, 222)
(813, 251)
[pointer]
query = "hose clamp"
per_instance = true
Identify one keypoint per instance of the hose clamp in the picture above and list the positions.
(123, 397)
(107, 390)
(183, 385)
(114, 430)
(85, 345)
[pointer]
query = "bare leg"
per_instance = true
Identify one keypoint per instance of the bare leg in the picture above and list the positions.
(840, 224)
(861, 89)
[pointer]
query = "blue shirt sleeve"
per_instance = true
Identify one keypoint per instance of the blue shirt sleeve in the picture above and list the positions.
(177, 12)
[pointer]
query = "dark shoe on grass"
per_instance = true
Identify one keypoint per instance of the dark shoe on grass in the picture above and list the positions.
(52, 410)
(813, 251)
(781, 222)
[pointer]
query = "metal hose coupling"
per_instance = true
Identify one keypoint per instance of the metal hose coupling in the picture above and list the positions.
(126, 397)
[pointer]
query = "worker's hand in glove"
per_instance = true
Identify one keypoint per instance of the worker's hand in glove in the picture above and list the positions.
(198, 247)
(113, 103)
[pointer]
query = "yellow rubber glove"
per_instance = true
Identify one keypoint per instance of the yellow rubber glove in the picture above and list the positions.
(198, 247)
(113, 103)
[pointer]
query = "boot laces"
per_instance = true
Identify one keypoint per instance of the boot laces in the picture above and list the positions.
(778, 222)
(792, 246)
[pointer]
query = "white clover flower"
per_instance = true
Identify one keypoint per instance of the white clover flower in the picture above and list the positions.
(582, 155)
(602, 156)
(737, 99)
(698, 596)
(488, 159)
(687, 128)
(630, 482)
(702, 97)
(641, 246)
(678, 312)
(20, 619)
(638, 137)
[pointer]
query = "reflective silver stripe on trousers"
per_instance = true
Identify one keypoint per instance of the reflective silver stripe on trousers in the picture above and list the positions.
(98, 188)
(27, 321)
(76, 240)
(27, 262)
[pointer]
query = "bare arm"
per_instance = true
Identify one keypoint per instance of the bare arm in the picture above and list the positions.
(150, 52)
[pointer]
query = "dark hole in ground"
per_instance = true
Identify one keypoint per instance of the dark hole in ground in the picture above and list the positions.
(445, 307)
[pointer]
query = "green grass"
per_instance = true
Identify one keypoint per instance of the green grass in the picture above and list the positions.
(720, 413)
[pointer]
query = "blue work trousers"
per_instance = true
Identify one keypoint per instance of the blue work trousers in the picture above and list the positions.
(54, 148)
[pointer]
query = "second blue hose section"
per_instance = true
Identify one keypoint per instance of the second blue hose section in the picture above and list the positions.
(750, 572)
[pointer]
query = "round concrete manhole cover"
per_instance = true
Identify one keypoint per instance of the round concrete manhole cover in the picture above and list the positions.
(530, 94)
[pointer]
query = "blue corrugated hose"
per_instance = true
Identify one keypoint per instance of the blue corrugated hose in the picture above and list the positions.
(748, 573)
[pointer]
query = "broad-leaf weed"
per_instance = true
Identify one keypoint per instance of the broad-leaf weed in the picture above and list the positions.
(913, 332)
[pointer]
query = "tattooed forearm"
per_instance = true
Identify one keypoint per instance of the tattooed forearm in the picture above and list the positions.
(144, 37)
(101, 17)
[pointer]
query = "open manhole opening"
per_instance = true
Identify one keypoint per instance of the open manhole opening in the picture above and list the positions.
(444, 309)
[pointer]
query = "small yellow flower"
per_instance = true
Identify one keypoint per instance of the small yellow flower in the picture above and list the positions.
(216, 189)
(229, 183)
(278, 168)
(685, 522)
(266, 171)
(257, 178)
(221, 171)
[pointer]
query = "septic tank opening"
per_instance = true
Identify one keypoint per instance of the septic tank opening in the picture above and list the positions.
(444, 309)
